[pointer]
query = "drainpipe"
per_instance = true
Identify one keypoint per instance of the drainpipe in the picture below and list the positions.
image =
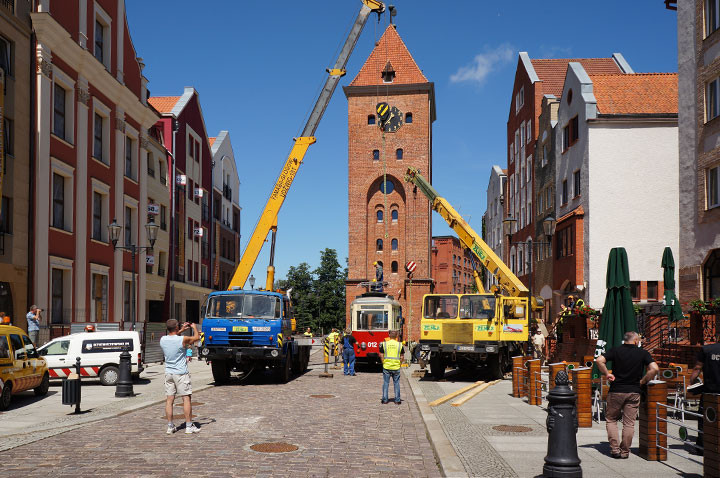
(173, 244)
(31, 183)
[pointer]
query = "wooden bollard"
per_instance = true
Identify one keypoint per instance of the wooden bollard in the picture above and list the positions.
(517, 365)
(582, 385)
(711, 435)
(534, 392)
(649, 423)
(525, 384)
(554, 369)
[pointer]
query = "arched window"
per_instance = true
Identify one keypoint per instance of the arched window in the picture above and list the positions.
(387, 187)
(371, 119)
(379, 245)
(394, 267)
(376, 154)
(394, 244)
(711, 270)
(379, 215)
(408, 118)
(399, 153)
(394, 215)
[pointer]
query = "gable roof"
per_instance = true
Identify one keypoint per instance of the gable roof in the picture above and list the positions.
(637, 93)
(391, 49)
(551, 71)
(212, 141)
(164, 104)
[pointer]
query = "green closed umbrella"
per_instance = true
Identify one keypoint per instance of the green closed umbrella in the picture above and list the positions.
(618, 314)
(671, 306)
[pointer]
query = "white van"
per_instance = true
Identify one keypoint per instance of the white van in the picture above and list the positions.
(99, 354)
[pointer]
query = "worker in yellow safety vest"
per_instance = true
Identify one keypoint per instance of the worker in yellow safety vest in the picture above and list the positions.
(308, 333)
(391, 354)
(333, 340)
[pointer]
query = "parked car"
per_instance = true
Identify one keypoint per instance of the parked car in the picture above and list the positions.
(21, 367)
(99, 354)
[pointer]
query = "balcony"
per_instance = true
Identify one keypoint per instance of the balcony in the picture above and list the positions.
(163, 180)
(151, 172)
(227, 192)
(161, 272)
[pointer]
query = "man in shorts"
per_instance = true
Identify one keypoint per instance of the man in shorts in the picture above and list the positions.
(177, 376)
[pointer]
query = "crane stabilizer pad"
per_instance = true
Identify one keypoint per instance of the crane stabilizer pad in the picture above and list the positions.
(326, 375)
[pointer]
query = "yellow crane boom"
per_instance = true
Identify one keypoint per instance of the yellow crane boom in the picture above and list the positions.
(469, 238)
(268, 218)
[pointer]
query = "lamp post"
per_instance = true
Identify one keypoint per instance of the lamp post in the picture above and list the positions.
(549, 224)
(252, 281)
(151, 229)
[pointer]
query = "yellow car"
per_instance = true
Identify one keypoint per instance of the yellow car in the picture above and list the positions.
(21, 368)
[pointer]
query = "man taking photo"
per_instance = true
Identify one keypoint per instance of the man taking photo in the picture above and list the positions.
(177, 376)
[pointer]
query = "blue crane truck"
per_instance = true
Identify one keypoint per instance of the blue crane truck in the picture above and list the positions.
(248, 330)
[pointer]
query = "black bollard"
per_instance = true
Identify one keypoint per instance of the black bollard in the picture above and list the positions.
(562, 458)
(124, 387)
(79, 384)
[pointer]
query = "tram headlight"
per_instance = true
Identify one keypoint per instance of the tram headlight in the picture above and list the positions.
(363, 345)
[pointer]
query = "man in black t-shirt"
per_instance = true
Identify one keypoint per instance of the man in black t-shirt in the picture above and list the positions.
(626, 380)
(708, 362)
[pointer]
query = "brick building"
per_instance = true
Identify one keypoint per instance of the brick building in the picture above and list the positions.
(91, 148)
(451, 266)
(534, 78)
(699, 130)
(389, 222)
(17, 70)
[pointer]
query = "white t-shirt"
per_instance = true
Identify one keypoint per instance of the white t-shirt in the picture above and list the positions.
(538, 340)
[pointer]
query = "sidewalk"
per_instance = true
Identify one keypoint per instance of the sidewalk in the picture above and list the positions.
(32, 418)
(467, 444)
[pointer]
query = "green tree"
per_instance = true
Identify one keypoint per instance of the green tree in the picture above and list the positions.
(329, 291)
(300, 279)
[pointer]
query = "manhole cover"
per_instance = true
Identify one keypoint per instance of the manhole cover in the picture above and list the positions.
(512, 428)
(194, 404)
(322, 396)
(274, 447)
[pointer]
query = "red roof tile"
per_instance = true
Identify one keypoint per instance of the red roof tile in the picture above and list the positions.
(164, 104)
(551, 71)
(638, 93)
(390, 48)
(211, 141)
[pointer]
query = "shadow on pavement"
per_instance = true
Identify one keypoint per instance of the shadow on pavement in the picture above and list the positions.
(28, 397)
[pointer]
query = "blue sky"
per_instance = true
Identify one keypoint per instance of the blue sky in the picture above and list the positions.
(258, 67)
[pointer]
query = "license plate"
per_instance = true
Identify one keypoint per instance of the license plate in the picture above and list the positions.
(261, 329)
(424, 347)
(466, 348)
(217, 329)
(239, 328)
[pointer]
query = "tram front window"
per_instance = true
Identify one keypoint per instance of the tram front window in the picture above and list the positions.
(441, 307)
(377, 320)
(477, 307)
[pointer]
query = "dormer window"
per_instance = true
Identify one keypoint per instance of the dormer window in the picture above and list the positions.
(388, 73)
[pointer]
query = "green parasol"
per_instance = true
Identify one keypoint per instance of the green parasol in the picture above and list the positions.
(618, 314)
(671, 304)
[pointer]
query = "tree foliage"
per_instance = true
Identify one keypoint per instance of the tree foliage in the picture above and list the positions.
(318, 296)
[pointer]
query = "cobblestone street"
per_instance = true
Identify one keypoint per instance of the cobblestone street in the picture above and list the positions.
(351, 434)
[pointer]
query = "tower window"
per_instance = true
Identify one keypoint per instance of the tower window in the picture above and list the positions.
(394, 215)
(408, 118)
(387, 187)
(388, 73)
(379, 245)
(371, 119)
(399, 153)
(394, 267)
(379, 216)
(376, 154)
(394, 244)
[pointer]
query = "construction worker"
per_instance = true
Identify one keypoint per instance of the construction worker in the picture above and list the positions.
(308, 333)
(391, 355)
(378, 277)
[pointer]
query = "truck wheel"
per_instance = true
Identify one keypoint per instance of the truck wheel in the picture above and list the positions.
(6, 396)
(437, 367)
(282, 370)
(495, 366)
(109, 375)
(297, 362)
(42, 389)
(220, 371)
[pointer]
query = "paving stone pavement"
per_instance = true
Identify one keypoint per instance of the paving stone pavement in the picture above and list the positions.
(351, 434)
(476, 454)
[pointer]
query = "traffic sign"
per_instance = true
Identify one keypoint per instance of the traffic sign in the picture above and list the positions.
(410, 266)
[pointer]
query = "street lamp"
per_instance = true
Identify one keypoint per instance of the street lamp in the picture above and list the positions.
(115, 229)
(252, 281)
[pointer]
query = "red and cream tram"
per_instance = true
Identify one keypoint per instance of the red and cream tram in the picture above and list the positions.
(372, 315)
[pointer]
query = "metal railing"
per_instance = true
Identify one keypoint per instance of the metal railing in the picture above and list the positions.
(683, 431)
(9, 4)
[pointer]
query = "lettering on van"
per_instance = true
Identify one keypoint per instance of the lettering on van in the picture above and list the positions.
(484, 328)
(108, 345)
(431, 327)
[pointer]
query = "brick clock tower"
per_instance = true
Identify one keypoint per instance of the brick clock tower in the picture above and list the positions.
(388, 220)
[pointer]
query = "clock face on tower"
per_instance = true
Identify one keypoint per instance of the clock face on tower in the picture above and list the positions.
(394, 121)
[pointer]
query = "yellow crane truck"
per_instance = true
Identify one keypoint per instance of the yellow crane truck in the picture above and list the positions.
(468, 330)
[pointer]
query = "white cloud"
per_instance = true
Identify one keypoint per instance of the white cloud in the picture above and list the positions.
(483, 64)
